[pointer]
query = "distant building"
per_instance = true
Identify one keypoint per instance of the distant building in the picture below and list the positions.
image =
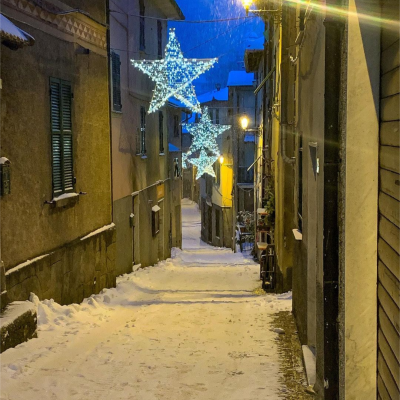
(57, 236)
(242, 103)
(145, 213)
(216, 193)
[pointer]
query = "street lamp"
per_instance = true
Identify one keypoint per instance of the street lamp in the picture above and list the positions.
(246, 5)
(244, 122)
(221, 159)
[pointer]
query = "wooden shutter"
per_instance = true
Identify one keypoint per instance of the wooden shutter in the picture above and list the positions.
(61, 136)
(56, 140)
(142, 43)
(161, 130)
(389, 214)
(176, 126)
(142, 130)
(159, 39)
(66, 118)
(116, 81)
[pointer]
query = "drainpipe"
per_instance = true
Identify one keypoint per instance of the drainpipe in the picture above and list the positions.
(109, 102)
(334, 28)
(285, 64)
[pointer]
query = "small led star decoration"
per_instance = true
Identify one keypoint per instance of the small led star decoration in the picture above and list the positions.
(205, 134)
(174, 75)
(204, 164)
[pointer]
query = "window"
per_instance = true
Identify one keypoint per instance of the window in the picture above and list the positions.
(300, 188)
(217, 116)
(116, 81)
(142, 43)
(159, 39)
(176, 125)
(196, 118)
(161, 130)
(141, 136)
(218, 172)
(217, 224)
(61, 136)
(211, 112)
(302, 18)
(155, 220)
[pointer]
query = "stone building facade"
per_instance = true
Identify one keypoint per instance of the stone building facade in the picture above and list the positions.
(57, 236)
(141, 181)
(333, 155)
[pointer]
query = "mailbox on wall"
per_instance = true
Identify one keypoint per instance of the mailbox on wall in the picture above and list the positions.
(5, 176)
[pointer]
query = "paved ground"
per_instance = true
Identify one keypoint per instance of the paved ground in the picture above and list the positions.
(188, 328)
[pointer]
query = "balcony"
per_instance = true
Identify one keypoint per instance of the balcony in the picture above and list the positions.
(245, 176)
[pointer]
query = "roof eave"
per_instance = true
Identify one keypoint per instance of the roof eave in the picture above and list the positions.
(170, 9)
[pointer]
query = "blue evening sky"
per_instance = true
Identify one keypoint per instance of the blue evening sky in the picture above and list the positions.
(225, 40)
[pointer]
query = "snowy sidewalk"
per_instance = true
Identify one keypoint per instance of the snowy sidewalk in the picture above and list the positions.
(188, 328)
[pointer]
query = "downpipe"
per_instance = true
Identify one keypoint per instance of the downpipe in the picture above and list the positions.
(334, 28)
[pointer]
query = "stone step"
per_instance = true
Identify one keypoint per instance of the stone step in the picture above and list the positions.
(18, 324)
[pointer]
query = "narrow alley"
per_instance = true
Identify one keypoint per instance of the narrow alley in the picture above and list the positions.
(189, 328)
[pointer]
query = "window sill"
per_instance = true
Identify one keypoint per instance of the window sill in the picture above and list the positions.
(297, 234)
(143, 156)
(162, 154)
(116, 112)
(64, 200)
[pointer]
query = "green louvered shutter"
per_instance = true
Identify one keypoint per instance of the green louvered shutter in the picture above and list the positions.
(61, 136)
(116, 81)
(56, 135)
(66, 117)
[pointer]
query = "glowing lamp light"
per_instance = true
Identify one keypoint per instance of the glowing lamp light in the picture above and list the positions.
(247, 3)
(221, 159)
(244, 122)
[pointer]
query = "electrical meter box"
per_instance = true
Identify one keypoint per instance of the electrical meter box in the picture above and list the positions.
(5, 176)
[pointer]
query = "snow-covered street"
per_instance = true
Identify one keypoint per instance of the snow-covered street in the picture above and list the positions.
(188, 328)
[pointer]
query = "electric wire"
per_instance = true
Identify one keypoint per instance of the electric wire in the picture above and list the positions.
(205, 21)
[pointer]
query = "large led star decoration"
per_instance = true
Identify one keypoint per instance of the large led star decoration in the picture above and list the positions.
(204, 164)
(174, 75)
(205, 133)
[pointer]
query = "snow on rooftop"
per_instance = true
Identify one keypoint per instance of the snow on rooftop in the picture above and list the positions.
(174, 102)
(219, 95)
(11, 33)
(240, 78)
(172, 148)
(249, 138)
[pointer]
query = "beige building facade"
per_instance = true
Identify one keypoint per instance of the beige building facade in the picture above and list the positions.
(141, 181)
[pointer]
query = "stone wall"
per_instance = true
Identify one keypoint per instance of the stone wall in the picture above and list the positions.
(18, 324)
(70, 273)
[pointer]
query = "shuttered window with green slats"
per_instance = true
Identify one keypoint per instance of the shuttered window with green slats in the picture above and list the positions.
(116, 81)
(61, 136)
